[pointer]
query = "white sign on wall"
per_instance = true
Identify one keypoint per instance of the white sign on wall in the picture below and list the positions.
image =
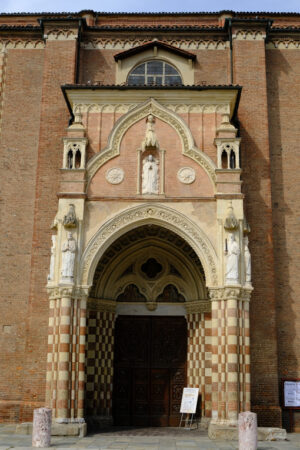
(292, 394)
(189, 400)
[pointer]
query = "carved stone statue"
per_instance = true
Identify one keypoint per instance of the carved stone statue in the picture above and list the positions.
(231, 222)
(247, 261)
(52, 259)
(232, 261)
(150, 176)
(70, 220)
(150, 138)
(68, 258)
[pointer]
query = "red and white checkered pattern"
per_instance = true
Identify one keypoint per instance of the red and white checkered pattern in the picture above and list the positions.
(199, 357)
(99, 363)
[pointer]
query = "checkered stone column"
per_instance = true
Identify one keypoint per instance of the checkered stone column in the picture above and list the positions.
(230, 353)
(99, 367)
(66, 353)
(199, 356)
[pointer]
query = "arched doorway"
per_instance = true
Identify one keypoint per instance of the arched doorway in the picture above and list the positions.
(140, 337)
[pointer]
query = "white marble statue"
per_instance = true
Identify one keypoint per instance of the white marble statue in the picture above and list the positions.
(150, 176)
(232, 261)
(150, 137)
(52, 259)
(247, 261)
(68, 258)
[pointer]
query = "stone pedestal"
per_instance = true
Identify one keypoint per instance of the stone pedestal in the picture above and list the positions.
(41, 430)
(247, 431)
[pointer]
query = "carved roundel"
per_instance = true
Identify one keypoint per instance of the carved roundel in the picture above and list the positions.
(186, 175)
(115, 175)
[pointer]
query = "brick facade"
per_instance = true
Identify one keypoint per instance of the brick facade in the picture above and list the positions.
(258, 54)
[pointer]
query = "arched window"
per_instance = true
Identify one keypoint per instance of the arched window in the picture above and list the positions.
(154, 73)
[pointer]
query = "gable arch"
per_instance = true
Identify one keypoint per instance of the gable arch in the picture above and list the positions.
(134, 115)
(149, 214)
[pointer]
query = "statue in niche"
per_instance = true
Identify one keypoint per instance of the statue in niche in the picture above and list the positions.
(150, 138)
(150, 176)
(231, 222)
(52, 259)
(68, 258)
(247, 260)
(70, 220)
(232, 262)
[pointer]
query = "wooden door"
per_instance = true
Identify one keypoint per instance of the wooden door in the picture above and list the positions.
(150, 370)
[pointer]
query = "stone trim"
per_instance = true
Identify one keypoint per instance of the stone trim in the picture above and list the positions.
(283, 44)
(61, 35)
(249, 35)
(125, 44)
(29, 44)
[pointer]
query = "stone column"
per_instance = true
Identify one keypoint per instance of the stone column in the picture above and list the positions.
(41, 429)
(66, 354)
(247, 431)
(230, 353)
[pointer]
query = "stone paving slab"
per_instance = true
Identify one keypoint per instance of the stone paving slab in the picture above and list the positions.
(168, 439)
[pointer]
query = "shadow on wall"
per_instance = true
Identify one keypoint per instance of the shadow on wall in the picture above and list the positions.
(280, 84)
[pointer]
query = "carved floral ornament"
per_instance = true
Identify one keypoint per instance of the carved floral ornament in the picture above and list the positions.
(228, 293)
(115, 175)
(141, 111)
(155, 214)
(80, 292)
(186, 175)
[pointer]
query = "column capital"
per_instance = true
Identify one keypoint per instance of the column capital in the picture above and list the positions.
(230, 292)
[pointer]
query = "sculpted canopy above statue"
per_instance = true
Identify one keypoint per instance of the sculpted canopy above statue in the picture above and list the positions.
(150, 137)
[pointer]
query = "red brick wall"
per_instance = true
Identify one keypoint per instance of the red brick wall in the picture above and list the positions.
(18, 160)
(59, 68)
(170, 141)
(211, 66)
(284, 118)
(250, 72)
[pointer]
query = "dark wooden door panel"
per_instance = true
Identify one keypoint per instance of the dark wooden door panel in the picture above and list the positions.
(159, 397)
(150, 370)
(169, 341)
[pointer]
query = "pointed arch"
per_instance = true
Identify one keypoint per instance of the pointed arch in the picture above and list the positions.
(149, 214)
(134, 115)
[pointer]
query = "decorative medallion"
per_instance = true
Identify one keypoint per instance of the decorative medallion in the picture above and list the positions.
(186, 175)
(115, 175)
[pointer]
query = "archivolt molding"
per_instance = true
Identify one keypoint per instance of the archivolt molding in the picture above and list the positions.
(138, 113)
(249, 35)
(141, 215)
(21, 44)
(282, 43)
(125, 44)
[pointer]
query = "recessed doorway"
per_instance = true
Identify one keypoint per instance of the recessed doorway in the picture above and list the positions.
(149, 370)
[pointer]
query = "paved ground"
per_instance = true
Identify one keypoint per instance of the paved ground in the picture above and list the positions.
(154, 438)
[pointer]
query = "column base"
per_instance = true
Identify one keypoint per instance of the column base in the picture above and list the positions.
(69, 427)
(61, 428)
(96, 423)
(223, 432)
